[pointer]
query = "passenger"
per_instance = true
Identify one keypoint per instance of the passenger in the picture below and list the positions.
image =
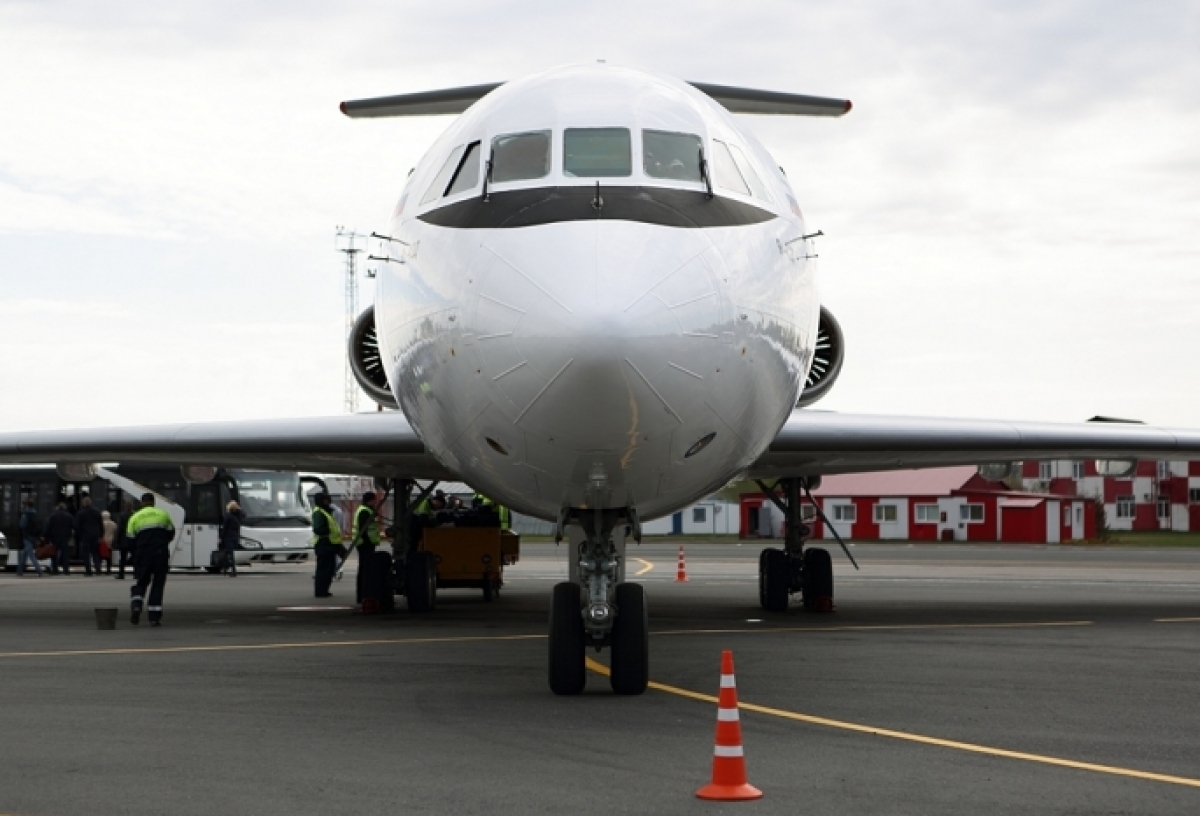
(365, 537)
(31, 531)
(327, 544)
(122, 542)
(106, 543)
(89, 529)
(231, 537)
(58, 532)
(152, 532)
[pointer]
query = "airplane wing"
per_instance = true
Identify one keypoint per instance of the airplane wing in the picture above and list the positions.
(813, 443)
(379, 444)
(457, 100)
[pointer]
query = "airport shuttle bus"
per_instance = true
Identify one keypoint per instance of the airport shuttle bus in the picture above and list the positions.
(276, 527)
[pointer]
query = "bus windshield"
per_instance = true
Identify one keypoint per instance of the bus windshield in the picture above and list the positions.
(271, 499)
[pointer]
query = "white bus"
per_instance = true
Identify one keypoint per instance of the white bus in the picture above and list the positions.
(276, 528)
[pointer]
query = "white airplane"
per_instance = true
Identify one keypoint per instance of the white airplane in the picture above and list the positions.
(595, 304)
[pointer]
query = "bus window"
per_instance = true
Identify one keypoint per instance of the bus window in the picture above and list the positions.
(673, 156)
(208, 503)
(725, 172)
(597, 153)
(468, 171)
(520, 156)
(443, 177)
(270, 499)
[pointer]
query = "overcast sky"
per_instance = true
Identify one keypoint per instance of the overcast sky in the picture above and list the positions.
(1012, 209)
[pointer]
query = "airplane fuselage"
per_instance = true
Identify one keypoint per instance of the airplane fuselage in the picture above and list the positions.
(571, 319)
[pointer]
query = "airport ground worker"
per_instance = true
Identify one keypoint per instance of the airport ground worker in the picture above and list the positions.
(327, 544)
(365, 537)
(151, 532)
(502, 512)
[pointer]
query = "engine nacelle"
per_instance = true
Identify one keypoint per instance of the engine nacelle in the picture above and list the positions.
(366, 361)
(827, 360)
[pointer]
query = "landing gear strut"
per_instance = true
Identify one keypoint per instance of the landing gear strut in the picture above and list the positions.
(795, 568)
(597, 608)
(414, 572)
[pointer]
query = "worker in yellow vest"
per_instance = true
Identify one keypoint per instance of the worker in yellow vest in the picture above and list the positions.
(151, 531)
(327, 544)
(365, 537)
(504, 514)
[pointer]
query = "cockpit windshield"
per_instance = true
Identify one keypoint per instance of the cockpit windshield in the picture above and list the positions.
(520, 156)
(271, 499)
(597, 153)
(674, 156)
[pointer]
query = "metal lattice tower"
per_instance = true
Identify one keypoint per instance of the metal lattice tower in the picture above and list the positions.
(350, 244)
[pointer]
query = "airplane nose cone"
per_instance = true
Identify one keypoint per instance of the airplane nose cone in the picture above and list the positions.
(597, 333)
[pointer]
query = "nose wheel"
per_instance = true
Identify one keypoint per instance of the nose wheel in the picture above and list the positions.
(630, 641)
(567, 670)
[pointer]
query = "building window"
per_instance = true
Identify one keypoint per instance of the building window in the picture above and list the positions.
(971, 512)
(1164, 508)
(1077, 470)
(928, 513)
(1066, 517)
(1124, 507)
(1194, 495)
(808, 512)
(1045, 471)
(1164, 470)
(845, 512)
(885, 513)
(699, 515)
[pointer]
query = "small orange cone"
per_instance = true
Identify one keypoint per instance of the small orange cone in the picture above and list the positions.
(729, 761)
(681, 570)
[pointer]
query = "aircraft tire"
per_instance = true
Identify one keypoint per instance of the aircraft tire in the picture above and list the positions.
(568, 675)
(762, 578)
(420, 583)
(817, 580)
(630, 641)
(775, 579)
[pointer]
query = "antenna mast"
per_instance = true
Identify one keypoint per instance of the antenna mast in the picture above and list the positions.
(350, 244)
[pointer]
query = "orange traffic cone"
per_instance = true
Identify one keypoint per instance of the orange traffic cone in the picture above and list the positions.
(729, 761)
(681, 570)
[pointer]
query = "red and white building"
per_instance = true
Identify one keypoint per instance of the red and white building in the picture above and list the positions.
(1157, 496)
(957, 504)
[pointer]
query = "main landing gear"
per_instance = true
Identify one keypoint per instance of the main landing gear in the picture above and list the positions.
(413, 571)
(598, 608)
(794, 569)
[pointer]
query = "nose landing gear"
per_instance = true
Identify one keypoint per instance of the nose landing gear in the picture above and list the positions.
(597, 608)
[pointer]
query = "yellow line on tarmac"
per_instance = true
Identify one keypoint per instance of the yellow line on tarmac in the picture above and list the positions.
(969, 747)
(1177, 620)
(899, 627)
(644, 569)
(321, 644)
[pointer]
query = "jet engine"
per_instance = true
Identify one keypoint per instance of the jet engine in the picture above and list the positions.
(366, 362)
(827, 360)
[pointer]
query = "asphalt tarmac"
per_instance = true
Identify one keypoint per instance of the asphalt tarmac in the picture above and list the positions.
(949, 680)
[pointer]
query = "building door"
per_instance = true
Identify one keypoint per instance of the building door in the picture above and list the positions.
(1053, 523)
(677, 523)
(1077, 521)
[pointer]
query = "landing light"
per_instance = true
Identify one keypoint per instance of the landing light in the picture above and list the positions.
(700, 445)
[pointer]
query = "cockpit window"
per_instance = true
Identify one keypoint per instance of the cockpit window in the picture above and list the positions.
(597, 153)
(756, 185)
(467, 175)
(725, 172)
(674, 156)
(443, 177)
(519, 156)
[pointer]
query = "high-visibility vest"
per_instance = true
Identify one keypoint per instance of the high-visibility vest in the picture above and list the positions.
(505, 517)
(149, 519)
(368, 527)
(335, 532)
